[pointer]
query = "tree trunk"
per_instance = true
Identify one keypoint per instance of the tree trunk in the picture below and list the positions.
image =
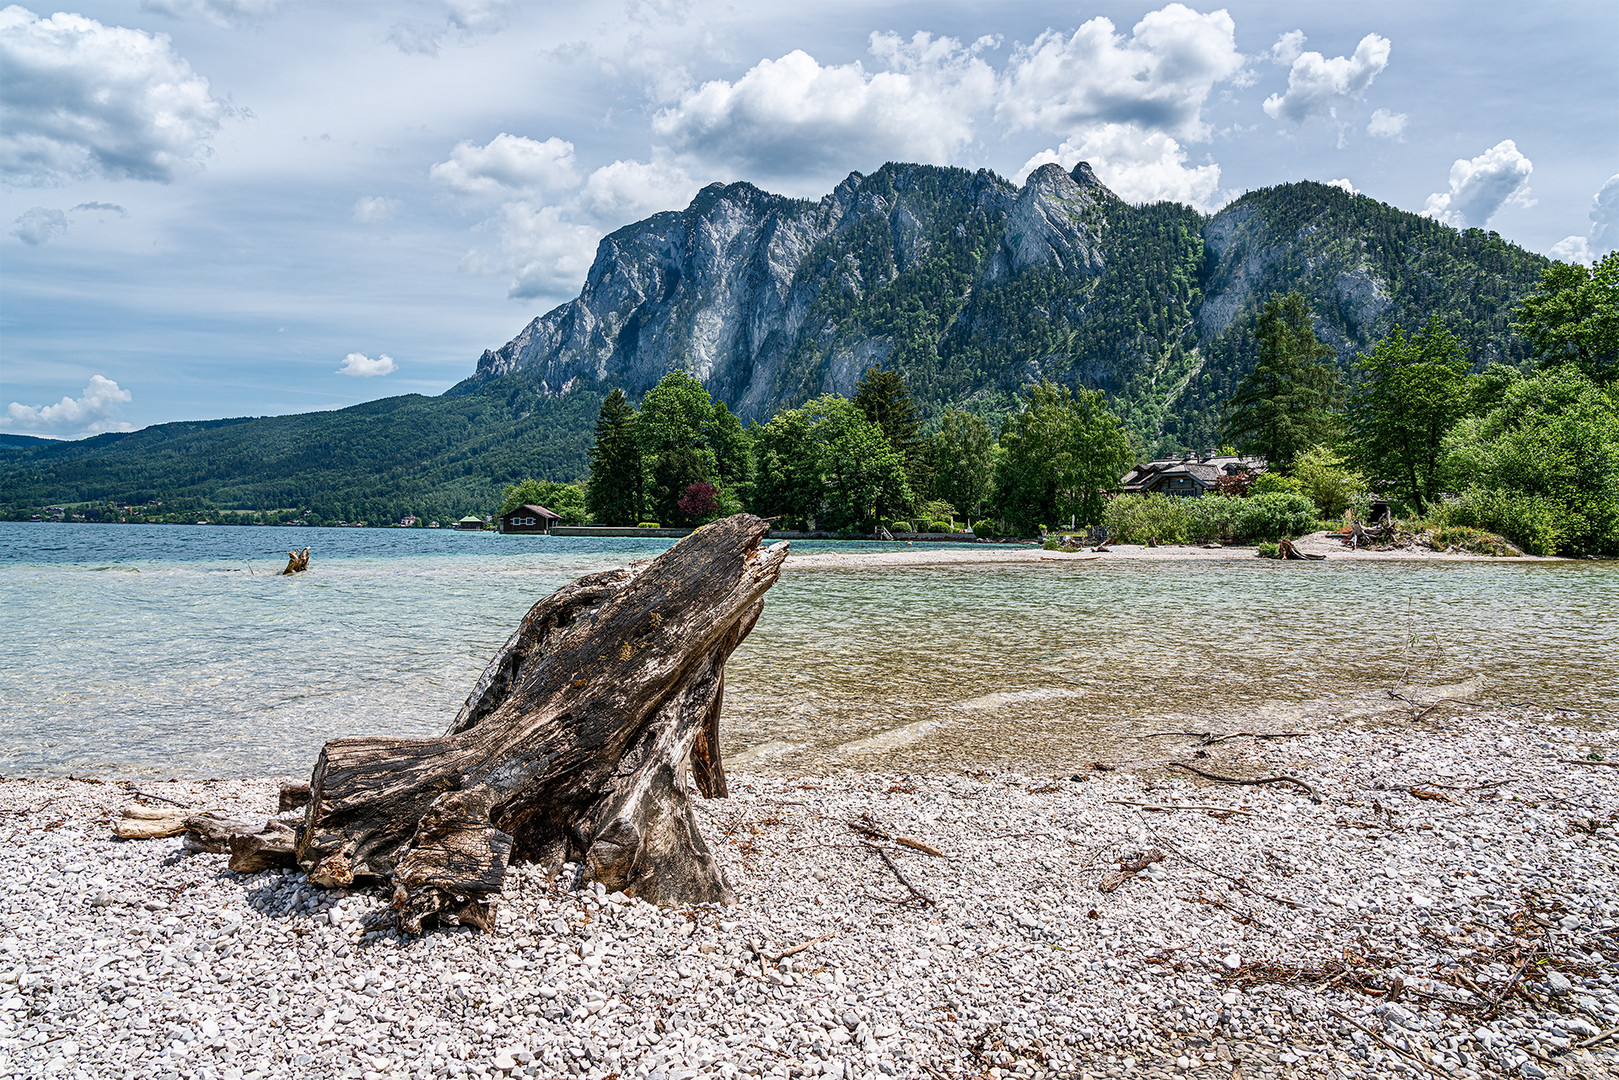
(571, 745)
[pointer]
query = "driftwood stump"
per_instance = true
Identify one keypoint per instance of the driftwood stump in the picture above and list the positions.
(572, 745)
(297, 562)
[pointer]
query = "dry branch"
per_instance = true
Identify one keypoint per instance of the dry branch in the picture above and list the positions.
(1315, 796)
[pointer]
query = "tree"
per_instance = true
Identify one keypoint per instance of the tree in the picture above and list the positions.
(567, 500)
(1411, 390)
(671, 427)
(1574, 318)
(886, 401)
(964, 462)
(1547, 460)
(826, 464)
(1286, 404)
(1059, 455)
(614, 497)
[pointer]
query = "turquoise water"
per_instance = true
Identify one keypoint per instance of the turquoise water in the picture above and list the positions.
(176, 650)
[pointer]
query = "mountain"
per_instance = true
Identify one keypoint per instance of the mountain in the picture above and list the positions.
(973, 287)
(969, 285)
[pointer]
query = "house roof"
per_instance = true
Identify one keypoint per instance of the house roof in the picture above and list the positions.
(1206, 469)
(471, 517)
(536, 510)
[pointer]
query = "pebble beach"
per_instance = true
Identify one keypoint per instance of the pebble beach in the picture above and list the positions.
(1448, 907)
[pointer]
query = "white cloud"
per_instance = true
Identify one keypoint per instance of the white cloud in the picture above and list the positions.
(1288, 48)
(546, 254)
(468, 20)
(1604, 235)
(39, 225)
(1343, 183)
(1317, 85)
(94, 412)
(508, 165)
(362, 366)
(1605, 216)
(794, 119)
(99, 208)
(371, 209)
(1386, 125)
(1481, 186)
(82, 99)
(218, 12)
(1573, 249)
(627, 191)
(1139, 166)
(1158, 78)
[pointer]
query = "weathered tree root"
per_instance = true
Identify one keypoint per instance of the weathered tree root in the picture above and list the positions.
(573, 744)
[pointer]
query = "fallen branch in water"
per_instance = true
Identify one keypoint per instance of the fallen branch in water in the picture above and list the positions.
(1315, 795)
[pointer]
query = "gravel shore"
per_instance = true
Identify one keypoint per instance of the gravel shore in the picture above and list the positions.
(1450, 907)
(955, 554)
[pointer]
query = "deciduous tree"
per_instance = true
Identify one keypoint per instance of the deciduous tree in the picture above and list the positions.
(1059, 455)
(964, 462)
(1574, 318)
(1411, 390)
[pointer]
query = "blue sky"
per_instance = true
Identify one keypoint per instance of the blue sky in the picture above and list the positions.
(249, 207)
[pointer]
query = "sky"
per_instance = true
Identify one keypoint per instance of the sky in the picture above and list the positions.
(220, 208)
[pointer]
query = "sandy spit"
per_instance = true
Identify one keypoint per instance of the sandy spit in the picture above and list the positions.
(1318, 543)
(1448, 908)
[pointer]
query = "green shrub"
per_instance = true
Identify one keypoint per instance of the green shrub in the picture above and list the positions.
(648, 525)
(1136, 519)
(1274, 483)
(1530, 521)
(1466, 538)
(1212, 517)
(1265, 549)
(1325, 479)
(1273, 515)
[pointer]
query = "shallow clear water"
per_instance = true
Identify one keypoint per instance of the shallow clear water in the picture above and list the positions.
(176, 650)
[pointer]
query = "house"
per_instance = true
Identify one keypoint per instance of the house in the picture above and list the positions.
(471, 523)
(408, 521)
(529, 518)
(1189, 475)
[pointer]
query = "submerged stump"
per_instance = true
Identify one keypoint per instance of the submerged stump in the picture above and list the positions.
(572, 745)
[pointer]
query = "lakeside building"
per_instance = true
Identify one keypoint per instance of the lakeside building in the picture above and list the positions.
(529, 518)
(471, 523)
(1189, 475)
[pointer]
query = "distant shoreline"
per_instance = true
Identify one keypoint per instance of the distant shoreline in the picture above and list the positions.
(1318, 543)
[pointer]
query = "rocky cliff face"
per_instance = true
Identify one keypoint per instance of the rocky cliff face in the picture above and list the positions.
(741, 283)
(972, 287)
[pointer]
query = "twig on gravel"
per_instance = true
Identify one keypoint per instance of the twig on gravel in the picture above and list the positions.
(917, 845)
(1593, 1040)
(1582, 761)
(1166, 807)
(800, 947)
(916, 894)
(1209, 738)
(138, 793)
(1407, 1055)
(1315, 795)
(1238, 882)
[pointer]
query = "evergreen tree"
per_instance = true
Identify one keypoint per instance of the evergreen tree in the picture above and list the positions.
(1411, 390)
(964, 462)
(886, 401)
(614, 496)
(1287, 403)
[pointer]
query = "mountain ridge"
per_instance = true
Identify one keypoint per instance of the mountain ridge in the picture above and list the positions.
(969, 285)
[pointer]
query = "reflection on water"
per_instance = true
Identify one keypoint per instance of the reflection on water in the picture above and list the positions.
(174, 650)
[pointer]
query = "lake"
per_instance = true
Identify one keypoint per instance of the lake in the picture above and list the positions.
(129, 651)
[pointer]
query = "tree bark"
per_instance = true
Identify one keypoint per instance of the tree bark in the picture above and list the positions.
(573, 744)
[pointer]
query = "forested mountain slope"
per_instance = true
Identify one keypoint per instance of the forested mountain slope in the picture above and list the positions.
(970, 286)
